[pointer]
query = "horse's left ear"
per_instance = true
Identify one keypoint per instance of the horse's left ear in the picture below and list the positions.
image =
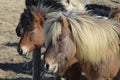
(38, 17)
(65, 24)
(34, 14)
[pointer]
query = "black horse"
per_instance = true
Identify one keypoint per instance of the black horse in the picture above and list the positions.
(99, 10)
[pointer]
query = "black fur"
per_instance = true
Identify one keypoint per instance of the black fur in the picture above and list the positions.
(100, 10)
(26, 20)
(30, 3)
(55, 4)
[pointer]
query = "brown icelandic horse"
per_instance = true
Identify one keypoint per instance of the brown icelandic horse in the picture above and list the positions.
(25, 29)
(94, 42)
(32, 37)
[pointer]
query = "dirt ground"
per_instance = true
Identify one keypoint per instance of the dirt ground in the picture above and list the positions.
(10, 61)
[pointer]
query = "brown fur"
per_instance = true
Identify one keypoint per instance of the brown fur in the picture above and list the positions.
(30, 40)
(95, 41)
(74, 72)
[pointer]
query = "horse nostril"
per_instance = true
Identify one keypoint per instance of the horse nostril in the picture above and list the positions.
(20, 51)
(51, 68)
(47, 66)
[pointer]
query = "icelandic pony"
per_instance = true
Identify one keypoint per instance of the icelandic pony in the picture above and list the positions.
(94, 42)
(31, 33)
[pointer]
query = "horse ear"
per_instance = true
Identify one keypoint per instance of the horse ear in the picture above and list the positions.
(34, 15)
(38, 17)
(65, 24)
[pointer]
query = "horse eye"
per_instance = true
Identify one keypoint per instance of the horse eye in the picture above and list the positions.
(31, 29)
(31, 36)
(66, 58)
(60, 38)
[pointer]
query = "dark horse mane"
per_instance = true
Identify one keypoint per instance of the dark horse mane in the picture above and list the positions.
(25, 21)
(44, 6)
(35, 5)
(26, 18)
(100, 10)
(30, 3)
(55, 4)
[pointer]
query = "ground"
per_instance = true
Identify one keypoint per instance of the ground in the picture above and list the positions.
(10, 61)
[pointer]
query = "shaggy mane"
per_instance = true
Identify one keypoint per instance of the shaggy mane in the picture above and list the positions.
(26, 18)
(47, 6)
(96, 40)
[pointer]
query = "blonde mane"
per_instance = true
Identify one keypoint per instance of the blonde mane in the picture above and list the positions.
(96, 39)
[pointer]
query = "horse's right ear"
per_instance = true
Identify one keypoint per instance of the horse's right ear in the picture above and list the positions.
(34, 11)
(35, 15)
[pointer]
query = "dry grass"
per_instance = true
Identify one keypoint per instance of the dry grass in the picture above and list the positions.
(10, 61)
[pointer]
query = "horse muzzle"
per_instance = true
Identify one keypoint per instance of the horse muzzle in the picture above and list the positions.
(23, 51)
(52, 69)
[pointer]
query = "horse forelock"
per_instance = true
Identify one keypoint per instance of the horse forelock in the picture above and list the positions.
(52, 27)
(29, 16)
(55, 25)
(26, 18)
